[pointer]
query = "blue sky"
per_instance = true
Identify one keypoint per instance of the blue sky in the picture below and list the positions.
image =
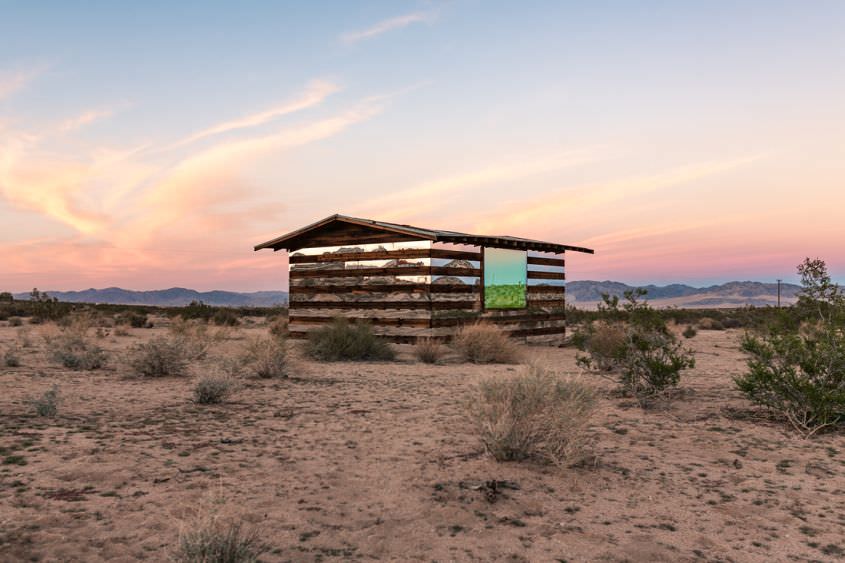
(152, 144)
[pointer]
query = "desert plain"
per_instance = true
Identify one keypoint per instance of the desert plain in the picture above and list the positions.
(377, 461)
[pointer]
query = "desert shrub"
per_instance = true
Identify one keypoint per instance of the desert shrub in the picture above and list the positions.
(482, 343)
(135, 320)
(48, 403)
(799, 374)
(196, 337)
(731, 322)
(11, 358)
(428, 351)
(710, 324)
(160, 356)
(266, 357)
(689, 332)
(279, 326)
(651, 360)
(24, 337)
(534, 414)
(213, 389)
(15, 321)
(341, 340)
(225, 317)
(75, 351)
(605, 341)
(213, 541)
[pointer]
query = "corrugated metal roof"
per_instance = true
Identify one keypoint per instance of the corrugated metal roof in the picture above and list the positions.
(287, 241)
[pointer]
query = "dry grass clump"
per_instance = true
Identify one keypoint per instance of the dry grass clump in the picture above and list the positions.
(689, 332)
(342, 340)
(707, 323)
(210, 540)
(429, 351)
(48, 403)
(482, 343)
(533, 415)
(15, 321)
(75, 351)
(278, 326)
(160, 356)
(196, 336)
(266, 357)
(606, 342)
(11, 358)
(213, 389)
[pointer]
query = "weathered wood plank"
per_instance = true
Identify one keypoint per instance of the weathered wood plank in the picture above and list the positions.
(361, 313)
(398, 271)
(375, 321)
(383, 305)
(546, 275)
(400, 254)
(538, 261)
(532, 289)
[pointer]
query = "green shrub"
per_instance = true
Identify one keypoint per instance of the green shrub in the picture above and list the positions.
(341, 340)
(212, 541)
(533, 415)
(482, 343)
(799, 374)
(160, 356)
(651, 360)
(225, 317)
(428, 351)
(213, 389)
(74, 351)
(689, 332)
(48, 403)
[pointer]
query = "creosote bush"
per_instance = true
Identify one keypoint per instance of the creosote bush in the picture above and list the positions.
(342, 340)
(48, 403)
(533, 415)
(798, 372)
(160, 356)
(647, 361)
(211, 540)
(213, 389)
(689, 332)
(482, 343)
(266, 357)
(429, 351)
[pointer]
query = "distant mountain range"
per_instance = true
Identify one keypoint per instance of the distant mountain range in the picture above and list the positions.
(731, 294)
(585, 294)
(173, 297)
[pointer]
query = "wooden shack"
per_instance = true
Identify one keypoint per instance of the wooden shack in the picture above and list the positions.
(411, 283)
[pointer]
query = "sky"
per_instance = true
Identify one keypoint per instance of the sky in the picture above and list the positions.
(152, 144)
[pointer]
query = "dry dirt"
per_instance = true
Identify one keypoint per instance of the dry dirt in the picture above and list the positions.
(374, 461)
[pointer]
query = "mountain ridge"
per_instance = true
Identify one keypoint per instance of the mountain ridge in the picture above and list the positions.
(171, 297)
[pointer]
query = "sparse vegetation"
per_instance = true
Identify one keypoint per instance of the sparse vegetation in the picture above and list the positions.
(533, 415)
(225, 317)
(74, 351)
(799, 374)
(429, 351)
(648, 360)
(160, 356)
(342, 340)
(15, 321)
(47, 404)
(482, 343)
(213, 389)
(213, 541)
(11, 359)
(266, 357)
(689, 332)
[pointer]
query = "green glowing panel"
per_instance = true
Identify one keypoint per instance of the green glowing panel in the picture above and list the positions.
(505, 274)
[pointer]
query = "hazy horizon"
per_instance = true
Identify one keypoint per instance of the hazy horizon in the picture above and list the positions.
(152, 145)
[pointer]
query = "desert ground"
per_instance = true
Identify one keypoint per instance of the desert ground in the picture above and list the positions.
(376, 461)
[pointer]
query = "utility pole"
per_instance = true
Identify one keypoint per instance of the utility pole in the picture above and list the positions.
(779, 293)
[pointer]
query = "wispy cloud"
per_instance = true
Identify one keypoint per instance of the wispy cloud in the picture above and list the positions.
(11, 82)
(315, 93)
(85, 118)
(387, 25)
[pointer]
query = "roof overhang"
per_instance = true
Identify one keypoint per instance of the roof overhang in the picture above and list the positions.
(367, 230)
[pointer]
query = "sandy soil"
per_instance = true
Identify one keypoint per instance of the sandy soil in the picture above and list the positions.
(375, 461)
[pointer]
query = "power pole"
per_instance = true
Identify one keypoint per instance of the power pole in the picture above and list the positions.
(779, 293)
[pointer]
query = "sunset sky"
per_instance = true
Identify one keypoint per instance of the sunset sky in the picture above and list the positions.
(151, 144)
